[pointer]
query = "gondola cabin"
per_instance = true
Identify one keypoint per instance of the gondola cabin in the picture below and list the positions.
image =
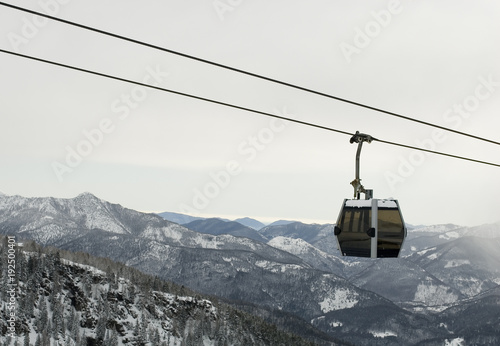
(370, 228)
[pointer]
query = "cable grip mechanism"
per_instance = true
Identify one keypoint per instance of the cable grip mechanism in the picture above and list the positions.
(356, 183)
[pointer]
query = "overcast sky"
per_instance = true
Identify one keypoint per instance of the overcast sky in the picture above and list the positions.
(64, 132)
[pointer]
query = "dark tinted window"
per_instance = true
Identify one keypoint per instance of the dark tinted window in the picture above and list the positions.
(353, 240)
(390, 232)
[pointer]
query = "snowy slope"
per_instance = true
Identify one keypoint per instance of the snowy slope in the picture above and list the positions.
(65, 302)
(470, 265)
(310, 254)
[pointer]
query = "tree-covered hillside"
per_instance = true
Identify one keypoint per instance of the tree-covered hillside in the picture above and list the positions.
(64, 298)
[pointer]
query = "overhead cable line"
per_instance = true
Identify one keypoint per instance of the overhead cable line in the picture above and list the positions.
(235, 106)
(252, 74)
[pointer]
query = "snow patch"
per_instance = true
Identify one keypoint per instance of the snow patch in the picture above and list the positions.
(423, 252)
(364, 203)
(383, 334)
(172, 232)
(433, 256)
(293, 246)
(455, 342)
(341, 299)
(434, 294)
(449, 235)
(276, 267)
(262, 264)
(469, 285)
(456, 263)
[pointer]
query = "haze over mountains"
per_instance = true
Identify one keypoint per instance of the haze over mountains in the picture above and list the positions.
(445, 276)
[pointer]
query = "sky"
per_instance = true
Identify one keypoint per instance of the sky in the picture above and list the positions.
(64, 132)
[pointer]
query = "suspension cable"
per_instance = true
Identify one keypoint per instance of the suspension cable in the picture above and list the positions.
(236, 106)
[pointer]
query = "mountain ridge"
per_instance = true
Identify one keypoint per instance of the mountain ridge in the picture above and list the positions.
(216, 226)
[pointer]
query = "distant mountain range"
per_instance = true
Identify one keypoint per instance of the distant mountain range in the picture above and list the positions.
(320, 236)
(218, 227)
(446, 272)
(179, 218)
(183, 219)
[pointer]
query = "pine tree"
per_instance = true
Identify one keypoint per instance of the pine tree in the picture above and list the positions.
(75, 327)
(71, 318)
(57, 318)
(144, 325)
(29, 304)
(26, 339)
(22, 266)
(140, 335)
(100, 329)
(44, 315)
(155, 339)
(137, 328)
(83, 339)
(113, 280)
(45, 336)
(113, 341)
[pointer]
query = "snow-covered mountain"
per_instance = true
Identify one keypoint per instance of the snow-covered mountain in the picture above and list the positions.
(320, 236)
(310, 254)
(470, 265)
(451, 266)
(389, 301)
(67, 302)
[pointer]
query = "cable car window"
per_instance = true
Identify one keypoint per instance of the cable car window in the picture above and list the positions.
(391, 232)
(353, 223)
(390, 223)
